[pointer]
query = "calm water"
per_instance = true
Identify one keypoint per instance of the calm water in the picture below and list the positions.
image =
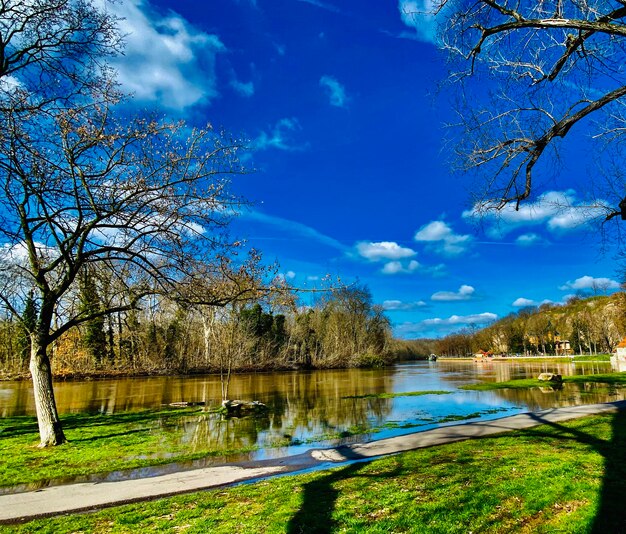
(313, 409)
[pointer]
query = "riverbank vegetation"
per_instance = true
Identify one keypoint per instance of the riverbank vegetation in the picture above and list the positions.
(585, 327)
(342, 327)
(565, 477)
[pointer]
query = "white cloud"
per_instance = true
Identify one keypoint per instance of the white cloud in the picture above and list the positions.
(443, 238)
(465, 292)
(398, 305)
(527, 240)
(336, 91)
(523, 302)
(559, 211)
(278, 136)
(244, 89)
(383, 250)
(478, 318)
(166, 60)
(322, 5)
(397, 267)
(440, 326)
(17, 253)
(589, 282)
(290, 275)
(9, 84)
(420, 15)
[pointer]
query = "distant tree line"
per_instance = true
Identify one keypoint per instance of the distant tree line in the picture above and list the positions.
(591, 325)
(342, 328)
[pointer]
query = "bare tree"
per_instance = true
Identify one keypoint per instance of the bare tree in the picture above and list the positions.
(147, 200)
(532, 72)
(52, 51)
(85, 187)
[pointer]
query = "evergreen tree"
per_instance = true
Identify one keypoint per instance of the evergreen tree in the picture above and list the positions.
(93, 332)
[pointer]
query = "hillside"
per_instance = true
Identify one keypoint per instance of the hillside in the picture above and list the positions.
(582, 326)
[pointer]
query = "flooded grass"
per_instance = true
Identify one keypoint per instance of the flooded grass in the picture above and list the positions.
(103, 444)
(107, 443)
(615, 379)
(565, 477)
(388, 395)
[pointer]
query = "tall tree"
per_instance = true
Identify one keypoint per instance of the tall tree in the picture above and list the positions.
(82, 186)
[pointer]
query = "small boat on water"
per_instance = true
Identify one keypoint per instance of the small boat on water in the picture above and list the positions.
(432, 358)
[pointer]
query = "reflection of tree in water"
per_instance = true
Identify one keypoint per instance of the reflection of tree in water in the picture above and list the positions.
(312, 406)
(216, 432)
(504, 370)
(304, 407)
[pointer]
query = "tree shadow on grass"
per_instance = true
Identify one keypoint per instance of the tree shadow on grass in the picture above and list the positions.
(315, 515)
(611, 514)
(112, 435)
(320, 495)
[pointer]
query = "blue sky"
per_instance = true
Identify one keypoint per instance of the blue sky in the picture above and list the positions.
(340, 104)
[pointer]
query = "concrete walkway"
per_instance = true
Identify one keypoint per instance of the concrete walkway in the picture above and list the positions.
(55, 500)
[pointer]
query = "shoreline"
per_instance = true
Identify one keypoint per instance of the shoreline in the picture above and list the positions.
(121, 373)
(63, 499)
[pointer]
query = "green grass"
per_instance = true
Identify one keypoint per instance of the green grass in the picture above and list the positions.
(568, 478)
(617, 379)
(105, 443)
(593, 358)
(100, 444)
(394, 395)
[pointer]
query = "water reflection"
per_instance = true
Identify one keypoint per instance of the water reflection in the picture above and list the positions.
(311, 409)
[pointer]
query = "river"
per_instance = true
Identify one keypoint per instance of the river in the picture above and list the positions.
(322, 408)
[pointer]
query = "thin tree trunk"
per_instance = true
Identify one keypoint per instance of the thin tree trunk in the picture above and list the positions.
(50, 430)
(207, 329)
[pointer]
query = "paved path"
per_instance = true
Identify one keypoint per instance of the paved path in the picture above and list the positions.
(93, 495)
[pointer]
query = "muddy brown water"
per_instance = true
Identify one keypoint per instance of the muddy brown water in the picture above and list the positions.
(321, 408)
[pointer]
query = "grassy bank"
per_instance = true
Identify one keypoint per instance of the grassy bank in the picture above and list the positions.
(615, 379)
(540, 359)
(593, 358)
(554, 478)
(105, 443)
(128, 440)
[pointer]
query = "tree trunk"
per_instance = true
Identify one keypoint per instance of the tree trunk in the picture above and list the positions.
(50, 430)
(207, 328)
